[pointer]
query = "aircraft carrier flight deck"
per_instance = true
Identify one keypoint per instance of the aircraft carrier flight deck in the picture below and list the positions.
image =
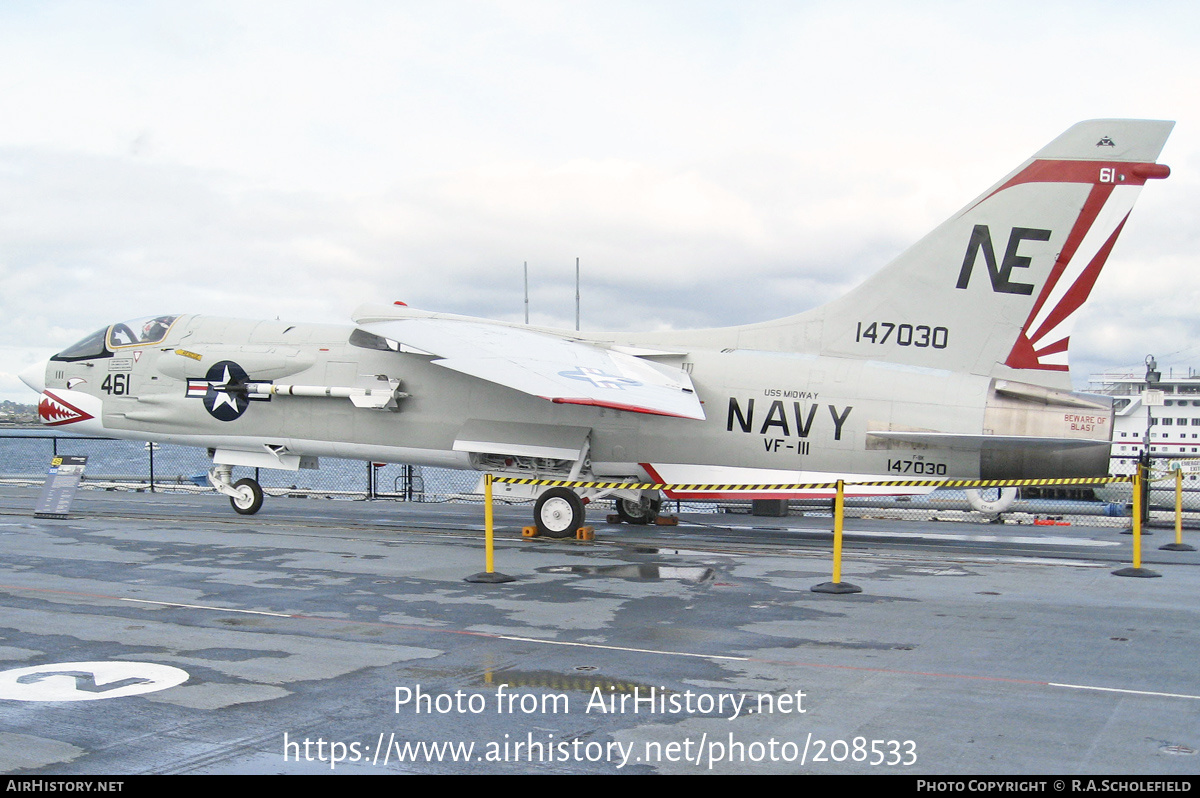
(163, 634)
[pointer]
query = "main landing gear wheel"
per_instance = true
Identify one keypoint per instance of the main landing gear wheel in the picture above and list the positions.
(249, 498)
(558, 513)
(638, 511)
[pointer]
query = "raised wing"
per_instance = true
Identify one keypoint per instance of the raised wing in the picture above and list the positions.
(559, 369)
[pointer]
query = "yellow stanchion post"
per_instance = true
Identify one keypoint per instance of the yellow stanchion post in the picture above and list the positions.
(1178, 545)
(489, 575)
(489, 526)
(839, 515)
(1178, 505)
(1137, 569)
(1138, 512)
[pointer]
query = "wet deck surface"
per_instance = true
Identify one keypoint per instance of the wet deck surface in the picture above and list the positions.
(972, 649)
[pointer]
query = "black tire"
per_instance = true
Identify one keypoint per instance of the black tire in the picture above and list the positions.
(250, 502)
(558, 513)
(640, 512)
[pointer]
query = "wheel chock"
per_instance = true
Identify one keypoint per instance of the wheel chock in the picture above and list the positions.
(662, 520)
(583, 533)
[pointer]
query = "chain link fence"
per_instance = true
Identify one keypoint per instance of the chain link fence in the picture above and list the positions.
(133, 465)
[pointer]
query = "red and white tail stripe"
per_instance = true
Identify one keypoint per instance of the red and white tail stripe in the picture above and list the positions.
(1045, 337)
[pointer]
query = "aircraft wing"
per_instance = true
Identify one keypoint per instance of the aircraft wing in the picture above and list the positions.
(562, 370)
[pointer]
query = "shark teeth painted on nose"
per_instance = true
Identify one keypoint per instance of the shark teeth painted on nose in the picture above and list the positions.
(56, 411)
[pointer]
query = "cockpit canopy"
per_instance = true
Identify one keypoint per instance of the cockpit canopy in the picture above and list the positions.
(103, 343)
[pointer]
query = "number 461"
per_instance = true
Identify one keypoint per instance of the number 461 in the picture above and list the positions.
(116, 384)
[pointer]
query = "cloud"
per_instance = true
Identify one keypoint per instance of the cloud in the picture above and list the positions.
(709, 163)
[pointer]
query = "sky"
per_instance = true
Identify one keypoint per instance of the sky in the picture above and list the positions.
(710, 163)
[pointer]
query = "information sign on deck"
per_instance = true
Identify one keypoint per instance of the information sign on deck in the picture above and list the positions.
(59, 489)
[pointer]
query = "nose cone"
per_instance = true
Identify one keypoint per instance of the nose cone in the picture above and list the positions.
(35, 376)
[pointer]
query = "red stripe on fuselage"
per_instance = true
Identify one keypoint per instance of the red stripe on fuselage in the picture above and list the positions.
(562, 400)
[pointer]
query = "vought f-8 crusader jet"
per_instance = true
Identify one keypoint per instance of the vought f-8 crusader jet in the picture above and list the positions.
(950, 362)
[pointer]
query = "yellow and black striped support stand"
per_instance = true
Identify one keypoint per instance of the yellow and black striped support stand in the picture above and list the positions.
(489, 574)
(722, 487)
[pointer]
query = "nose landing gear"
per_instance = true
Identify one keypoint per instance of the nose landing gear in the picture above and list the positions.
(245, 495)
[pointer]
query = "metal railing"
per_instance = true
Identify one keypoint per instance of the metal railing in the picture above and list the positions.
(116, 464)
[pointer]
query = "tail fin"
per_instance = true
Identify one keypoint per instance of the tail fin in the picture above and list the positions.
(995, 289)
